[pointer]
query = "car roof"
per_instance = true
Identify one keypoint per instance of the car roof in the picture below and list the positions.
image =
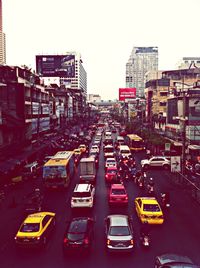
(148, 200)
(117, 186)
(111, 159)
(78, 224)
(118, 220)
(82, 187)
(36, 217)
(170, 258)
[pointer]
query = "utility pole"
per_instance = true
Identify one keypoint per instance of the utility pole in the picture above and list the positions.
(183, 119)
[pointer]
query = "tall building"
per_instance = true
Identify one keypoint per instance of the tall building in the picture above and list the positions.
(67, 67)
(141, 60)
(2, 39)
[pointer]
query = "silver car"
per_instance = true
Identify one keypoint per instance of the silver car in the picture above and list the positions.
(119, 233)
(174, 261)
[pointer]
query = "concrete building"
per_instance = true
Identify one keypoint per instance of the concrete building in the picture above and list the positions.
(24, 106)
(141, 60)
(94, 98)
(187, 62)
(69, 73)
(2, 38)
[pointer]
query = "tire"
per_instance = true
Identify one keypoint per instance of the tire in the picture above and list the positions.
(166, 167)
(146, 167)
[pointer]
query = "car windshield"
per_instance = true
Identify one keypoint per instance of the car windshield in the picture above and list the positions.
(30, 227)
(108, 150)
(118, 192)
(78, 227)
(111, 171)
(119, 230)
(151, 207)
(81, 194)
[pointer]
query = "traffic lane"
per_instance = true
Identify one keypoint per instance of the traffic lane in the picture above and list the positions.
(56, 201)
(180, 231)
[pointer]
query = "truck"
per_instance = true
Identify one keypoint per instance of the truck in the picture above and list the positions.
(87, 170)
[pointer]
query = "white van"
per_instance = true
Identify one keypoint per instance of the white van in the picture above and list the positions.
(124, 151)
(108, 135)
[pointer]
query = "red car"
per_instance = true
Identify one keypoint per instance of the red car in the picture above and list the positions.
(118, 195)
(111, 174)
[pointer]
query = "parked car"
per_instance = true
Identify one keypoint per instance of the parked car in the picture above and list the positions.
(79, 235)
(118, 195)
(35, 229)
(174, 261)
(119, 233)
(156, 161)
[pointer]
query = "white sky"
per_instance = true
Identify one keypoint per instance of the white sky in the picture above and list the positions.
(103, 31)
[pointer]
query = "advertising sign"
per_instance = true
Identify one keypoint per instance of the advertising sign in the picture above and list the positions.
(127, 93)
(175, 163)
(167, 146)
(56, 65)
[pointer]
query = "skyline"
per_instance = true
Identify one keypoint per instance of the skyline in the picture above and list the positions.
(103, 32)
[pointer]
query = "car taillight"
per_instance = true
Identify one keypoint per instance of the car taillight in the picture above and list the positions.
(126, 198)
(131, 241)
(106, 176)
(65, 241)
(15, 237)
(108, 241)
(86, 241)
(38, 237)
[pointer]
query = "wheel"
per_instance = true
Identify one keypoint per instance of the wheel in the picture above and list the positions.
(166, 167)
(146, 167)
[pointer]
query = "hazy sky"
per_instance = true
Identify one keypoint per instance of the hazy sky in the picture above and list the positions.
(103, 31)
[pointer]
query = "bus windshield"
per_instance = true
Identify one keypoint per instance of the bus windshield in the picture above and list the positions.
(54, 172)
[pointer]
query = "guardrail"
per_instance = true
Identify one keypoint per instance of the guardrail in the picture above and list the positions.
(189, 183)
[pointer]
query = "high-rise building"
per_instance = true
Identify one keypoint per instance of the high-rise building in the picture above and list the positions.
(67, 67)
(141, 60)
(2, 39)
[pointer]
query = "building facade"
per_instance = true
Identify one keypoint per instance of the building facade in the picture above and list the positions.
(94, 98)
(2, 38)
(69, 72)
(187, 62)
(24, 106)
(141, 60)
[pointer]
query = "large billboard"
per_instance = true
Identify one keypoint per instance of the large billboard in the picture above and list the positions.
(127, 93)
(55, 65)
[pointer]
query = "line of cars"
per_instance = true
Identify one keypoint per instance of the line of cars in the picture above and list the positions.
(80, 230)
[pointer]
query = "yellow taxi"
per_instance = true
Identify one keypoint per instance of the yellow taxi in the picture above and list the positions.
(82, 148)
(35, 229)
(149, 210)
(77, 155)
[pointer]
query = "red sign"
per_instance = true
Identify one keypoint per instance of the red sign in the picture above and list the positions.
(127, 93)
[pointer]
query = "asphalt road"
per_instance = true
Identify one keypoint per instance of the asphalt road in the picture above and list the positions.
(180, 232)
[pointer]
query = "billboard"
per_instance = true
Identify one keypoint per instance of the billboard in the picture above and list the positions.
(127, 93)
(56, 65)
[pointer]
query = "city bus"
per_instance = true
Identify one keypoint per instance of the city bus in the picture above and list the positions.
(135, 143)
(59, 170)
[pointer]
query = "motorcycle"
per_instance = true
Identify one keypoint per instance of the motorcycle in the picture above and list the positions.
(165, 200)
(145, 240)
(150, 190)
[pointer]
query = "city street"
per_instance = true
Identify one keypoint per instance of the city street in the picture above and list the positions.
(180, 232)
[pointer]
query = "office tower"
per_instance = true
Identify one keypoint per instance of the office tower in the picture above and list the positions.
(2, 39)
(141, 60)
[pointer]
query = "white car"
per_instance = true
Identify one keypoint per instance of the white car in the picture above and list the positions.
(110, 162)
(156, 161)
(83, 196)
(95, 148)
